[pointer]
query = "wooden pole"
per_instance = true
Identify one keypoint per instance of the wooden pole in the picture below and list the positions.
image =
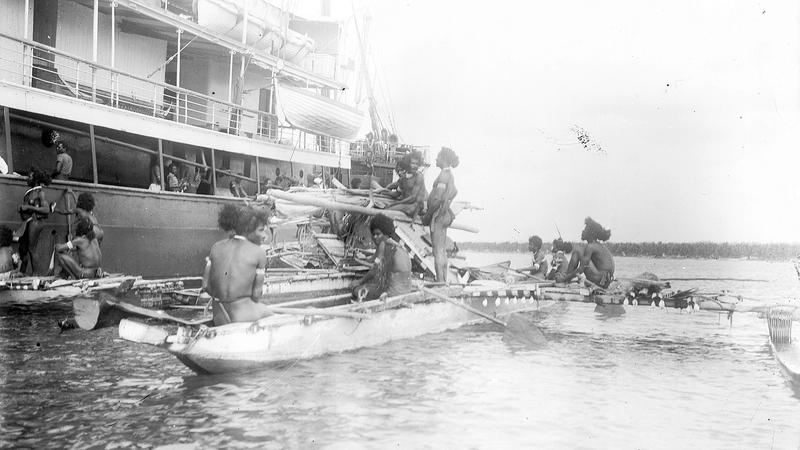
(327, 204)
(258, 178)
(7, 132)
(94, 154)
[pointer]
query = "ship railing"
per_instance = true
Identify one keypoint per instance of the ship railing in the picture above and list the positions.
(305, 140)
(44, 67)
(383, 153)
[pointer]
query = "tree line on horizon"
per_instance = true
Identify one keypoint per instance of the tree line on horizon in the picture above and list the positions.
(663, 249)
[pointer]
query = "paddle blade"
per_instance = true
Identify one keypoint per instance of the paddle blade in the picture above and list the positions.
(520, 329)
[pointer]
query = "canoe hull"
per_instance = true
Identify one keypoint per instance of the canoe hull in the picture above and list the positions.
(246, 346)
(788, 356)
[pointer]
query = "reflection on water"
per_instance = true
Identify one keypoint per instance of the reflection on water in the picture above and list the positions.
(647, 378)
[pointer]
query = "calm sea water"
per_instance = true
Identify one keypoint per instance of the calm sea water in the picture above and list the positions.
(647, 379)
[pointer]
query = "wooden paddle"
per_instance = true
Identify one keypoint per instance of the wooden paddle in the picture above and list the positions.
(516, 326)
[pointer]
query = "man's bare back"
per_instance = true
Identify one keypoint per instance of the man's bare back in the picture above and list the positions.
(600, 256)
(234, 270)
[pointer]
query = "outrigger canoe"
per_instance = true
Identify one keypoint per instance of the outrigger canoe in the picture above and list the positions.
(296, 333)
(303, 330)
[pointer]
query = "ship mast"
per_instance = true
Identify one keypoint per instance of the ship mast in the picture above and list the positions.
(375, 119)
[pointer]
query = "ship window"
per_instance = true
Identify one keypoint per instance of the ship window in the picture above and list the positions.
(226, 162)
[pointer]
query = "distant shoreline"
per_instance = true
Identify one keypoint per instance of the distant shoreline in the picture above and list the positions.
(676, 250)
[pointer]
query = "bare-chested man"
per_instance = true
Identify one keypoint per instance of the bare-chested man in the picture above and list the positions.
(411, 186)
(539, 266)
(236, 270)
(595, 260)
(391, 270)
(85, 245)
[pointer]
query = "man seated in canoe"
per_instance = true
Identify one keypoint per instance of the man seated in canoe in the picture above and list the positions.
(236, 270)
(9, 259)
(86, 263)
(539, 266)
(596, 261)
(391, 269)
(565, 258)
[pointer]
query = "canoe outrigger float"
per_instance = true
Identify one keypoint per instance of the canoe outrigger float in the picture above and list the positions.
(30, 290)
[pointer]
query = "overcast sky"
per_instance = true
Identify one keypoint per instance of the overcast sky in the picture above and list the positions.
(695, 106)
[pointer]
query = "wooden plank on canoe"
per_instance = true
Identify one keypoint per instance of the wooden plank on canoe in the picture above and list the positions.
(411, 237)
(332, 247)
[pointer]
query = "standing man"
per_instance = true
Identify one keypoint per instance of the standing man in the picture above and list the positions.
(439, 216)
(236, 269)
(63, 163)
(596, 262)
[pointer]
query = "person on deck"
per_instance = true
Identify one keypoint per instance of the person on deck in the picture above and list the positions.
(204, 187)
(439, 216)
(155, 176)
(174, 183)
(63, 163)
(9, 259)
(596, 262)
(89, 256)
(236, 268)
(33, 211)
(236, 188)
(281, 181)
(391, 269)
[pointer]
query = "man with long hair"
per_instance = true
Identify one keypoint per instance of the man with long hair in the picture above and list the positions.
(596, 262)
(391, 269)
(33, 210)
(236, 268)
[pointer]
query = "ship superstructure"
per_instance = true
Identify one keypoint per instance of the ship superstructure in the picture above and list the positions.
(240, 88)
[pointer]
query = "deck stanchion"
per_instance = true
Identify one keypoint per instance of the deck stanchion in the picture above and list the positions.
(7, 132)
(161, 162)
(258, 178)
(213, 173)
(94, 155)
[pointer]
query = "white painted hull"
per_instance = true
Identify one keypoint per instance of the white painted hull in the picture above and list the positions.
(788, 356)
(280, 339)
